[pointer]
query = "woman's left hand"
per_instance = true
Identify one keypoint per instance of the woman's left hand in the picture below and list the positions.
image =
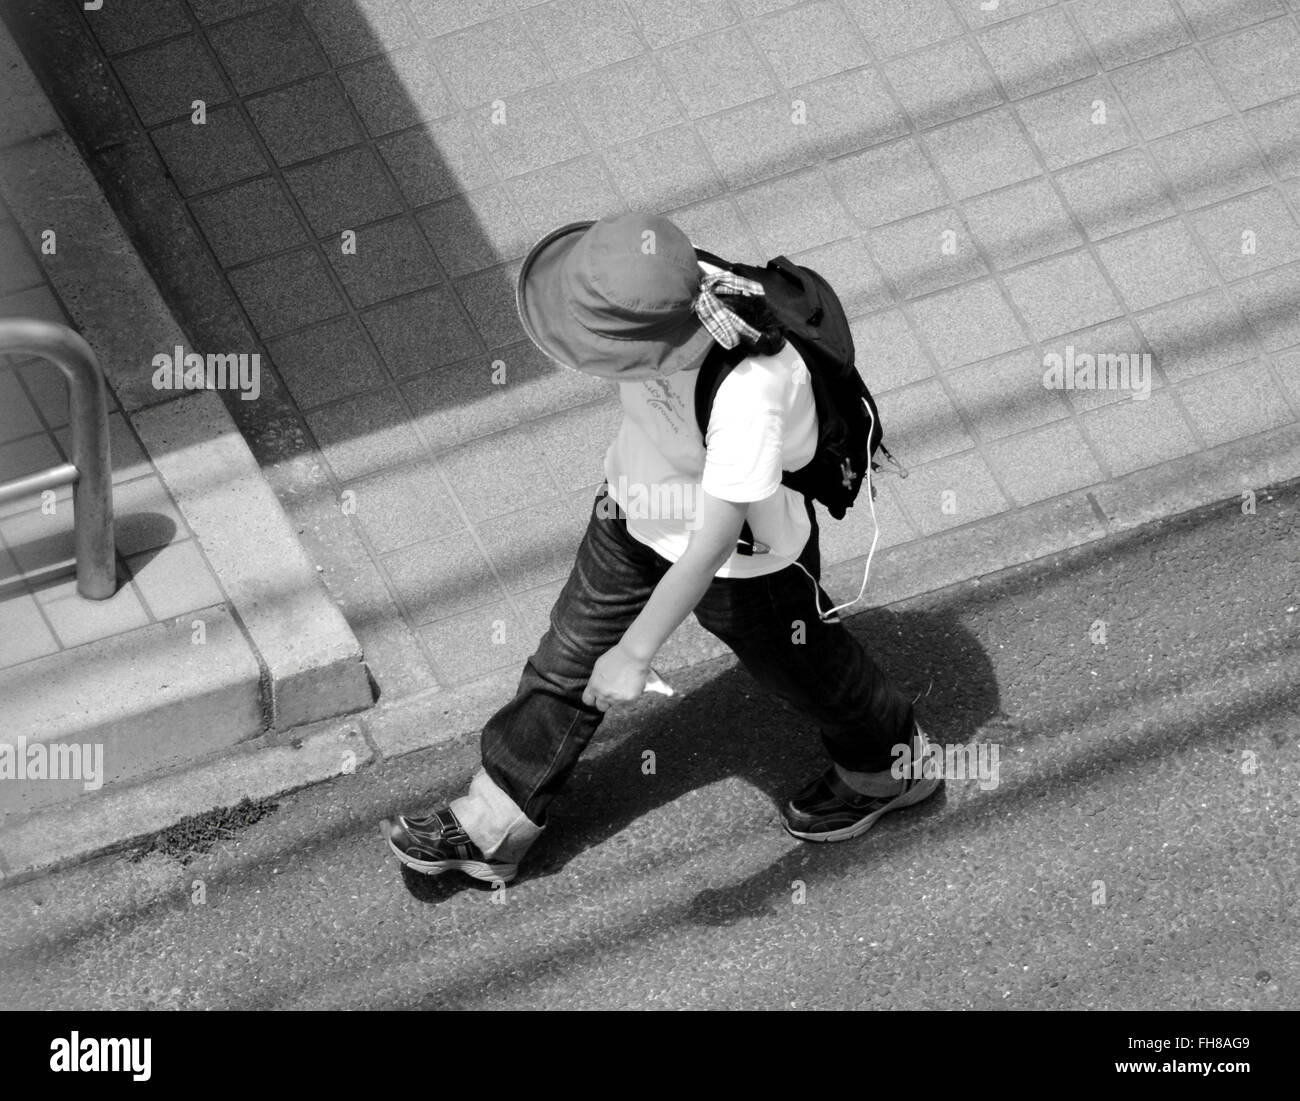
(617, 677)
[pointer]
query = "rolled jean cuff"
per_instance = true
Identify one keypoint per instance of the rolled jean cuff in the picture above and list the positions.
(494, 821)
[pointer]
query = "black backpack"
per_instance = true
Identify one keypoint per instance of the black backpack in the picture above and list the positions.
(813, 319)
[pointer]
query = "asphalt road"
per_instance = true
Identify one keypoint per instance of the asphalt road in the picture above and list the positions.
(1139, 850)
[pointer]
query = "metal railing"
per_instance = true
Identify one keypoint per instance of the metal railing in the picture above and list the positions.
(90, 472)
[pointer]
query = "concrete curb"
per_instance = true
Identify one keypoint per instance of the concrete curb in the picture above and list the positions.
(292, 646)
(312, 660)
(145, 700)
(118, 819)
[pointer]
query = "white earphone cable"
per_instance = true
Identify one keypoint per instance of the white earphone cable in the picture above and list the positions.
(875, 538)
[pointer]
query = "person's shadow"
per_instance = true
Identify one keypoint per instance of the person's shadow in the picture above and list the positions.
(732, 727)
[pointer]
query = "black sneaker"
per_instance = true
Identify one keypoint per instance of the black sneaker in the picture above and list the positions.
(438, 843)
(829, 810)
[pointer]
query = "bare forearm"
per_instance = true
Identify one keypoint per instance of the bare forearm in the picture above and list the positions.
(674, 598)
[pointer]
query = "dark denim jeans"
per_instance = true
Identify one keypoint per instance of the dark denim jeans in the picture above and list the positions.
(532, 744)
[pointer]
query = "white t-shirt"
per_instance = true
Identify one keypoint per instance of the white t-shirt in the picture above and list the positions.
(764, 420)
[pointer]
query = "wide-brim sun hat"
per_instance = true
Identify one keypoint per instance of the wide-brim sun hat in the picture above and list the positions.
(614, 298)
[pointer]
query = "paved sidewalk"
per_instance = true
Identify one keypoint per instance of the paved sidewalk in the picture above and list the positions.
(986, 187)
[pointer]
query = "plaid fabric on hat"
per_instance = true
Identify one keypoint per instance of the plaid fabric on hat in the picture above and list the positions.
(723, 325)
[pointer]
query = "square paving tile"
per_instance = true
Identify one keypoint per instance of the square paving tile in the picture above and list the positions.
(664, 22)
(623, 101)
(476, 230)
(439, 17)
(1044, 463)
(499, 475)
(1272, 304)
(125, 26)
(1037, 53)
(18, 269)
(17, 414)
(1133, 435)
(1198, 335)
(482, 641)
(164, 81)
(327, 362)
(1249, 235)
(1067, 127)
(1235, 404)
(927, 253)
(406, 505)
(887, 183)
(535, 545)
(572, 192)
(491, 61)
(248, 221)
(286, 292)
(391, 259)
(968, 324)
(717, 226)
(943, 83)
(794, 213)
(758, 141)
(489, 298)
(1062, 294)
(144, 517)
(441, 578)
(305, 120)
(397, 90)
(269, 48)
(460, 403)
(579, 35)
(849, 111)
(343, 191)
(1156, 265)
(1122, 367)
(982, 153)
(716, 72)
(1258, 65)
(422, 331)
(980, 13)
(1122, 32)
(529, 131)
(1213, 17)
(893, 27)
(1021, 223)
(437, 160)
(663, 170)
(1006, 395)
(1170, 93)
(77, 620)
(202, 158)
(1116, 193)
(27, 634)
(1210, 163)
(922, 422)
(365, 434)
(175, 580)
(951, 492)
(812, 41)
(1276, 127)
(574, 442)
(349, 30)
(888, 353)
